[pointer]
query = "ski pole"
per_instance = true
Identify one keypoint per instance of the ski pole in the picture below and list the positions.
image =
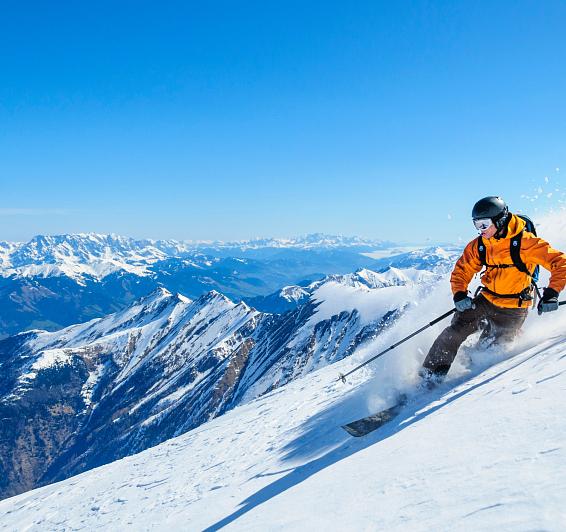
(433, 322)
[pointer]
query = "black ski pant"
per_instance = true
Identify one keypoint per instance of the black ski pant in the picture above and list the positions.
(499, 323)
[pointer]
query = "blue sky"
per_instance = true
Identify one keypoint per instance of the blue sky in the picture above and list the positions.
(229, 120)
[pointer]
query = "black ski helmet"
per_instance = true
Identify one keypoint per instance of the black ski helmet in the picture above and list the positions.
(491, 207)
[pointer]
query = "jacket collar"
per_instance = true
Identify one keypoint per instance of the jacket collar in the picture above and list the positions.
(514, 227)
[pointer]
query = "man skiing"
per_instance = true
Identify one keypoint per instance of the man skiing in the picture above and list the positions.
(510, 255)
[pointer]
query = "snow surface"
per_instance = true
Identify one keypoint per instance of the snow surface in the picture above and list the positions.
(293, 293)
(371, 294)
(485, 451)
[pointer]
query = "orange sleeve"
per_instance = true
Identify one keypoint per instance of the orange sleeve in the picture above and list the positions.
(466, 267)
(539, 251)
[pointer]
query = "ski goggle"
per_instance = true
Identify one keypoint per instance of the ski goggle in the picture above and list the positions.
(482, 224)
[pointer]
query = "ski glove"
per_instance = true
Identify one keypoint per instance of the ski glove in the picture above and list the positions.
(549, 301)
(462, 301)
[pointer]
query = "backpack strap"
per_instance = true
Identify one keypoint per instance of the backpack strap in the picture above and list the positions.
(529, 225)
(481, 251)
(516, 254)
(530, 228)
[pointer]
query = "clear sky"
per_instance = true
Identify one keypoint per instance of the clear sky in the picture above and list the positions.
(230, 120)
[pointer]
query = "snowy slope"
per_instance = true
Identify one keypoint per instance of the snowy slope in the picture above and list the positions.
(164, 365)
(291, 297)
(422, 258)
(484, 454)
(484, 451)
(110, 387)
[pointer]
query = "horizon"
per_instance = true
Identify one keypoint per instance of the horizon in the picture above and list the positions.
(279, 239)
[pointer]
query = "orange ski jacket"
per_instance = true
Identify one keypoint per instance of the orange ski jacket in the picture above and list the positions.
(510, 280)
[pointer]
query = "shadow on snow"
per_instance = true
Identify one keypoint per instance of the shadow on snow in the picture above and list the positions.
(324, 428)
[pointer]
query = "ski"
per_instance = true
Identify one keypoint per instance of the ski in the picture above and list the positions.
(368, 424)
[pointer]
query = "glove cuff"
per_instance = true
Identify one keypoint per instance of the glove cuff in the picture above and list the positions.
(460, 296)
(549, 293)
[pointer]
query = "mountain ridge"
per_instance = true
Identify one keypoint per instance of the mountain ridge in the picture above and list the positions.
(91, 248)
(79, 283)
(454, 458)
(166, 364)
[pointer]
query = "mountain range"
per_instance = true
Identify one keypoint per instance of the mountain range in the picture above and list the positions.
(484, 450)
(55, 281)
(98, 255)
(91, 393)
(235, 410)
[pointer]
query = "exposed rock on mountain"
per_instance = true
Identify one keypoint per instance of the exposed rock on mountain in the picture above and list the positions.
(55, 281)
(91, 393)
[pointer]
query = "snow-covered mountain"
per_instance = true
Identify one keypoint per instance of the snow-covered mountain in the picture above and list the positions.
(96, 255)
(55, 281)
(390, 277)
(112, 377)
(114, 386)
(309, 241)
(483, 451)
(429, 258)
(91, 254)
(290, 297)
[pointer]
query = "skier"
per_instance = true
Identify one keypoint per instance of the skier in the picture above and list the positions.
(510, 255)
